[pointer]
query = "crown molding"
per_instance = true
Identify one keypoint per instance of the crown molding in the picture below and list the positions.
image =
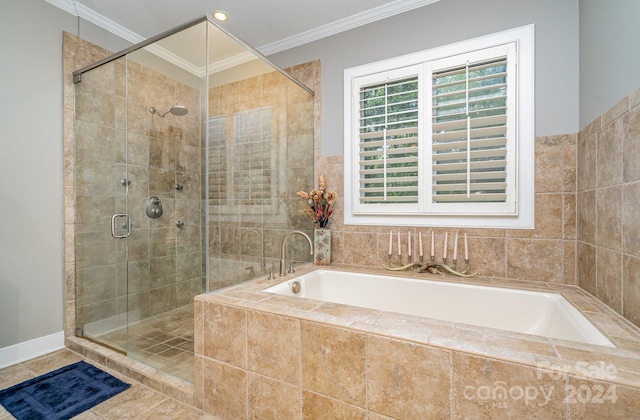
(342, 25)
(90, 15)
(345, 24)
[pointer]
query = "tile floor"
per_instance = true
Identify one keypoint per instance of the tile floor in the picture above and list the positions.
(164, 341)
(138, 402)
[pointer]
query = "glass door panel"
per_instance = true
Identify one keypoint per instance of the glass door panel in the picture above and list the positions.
(101, 188)
(166, 88)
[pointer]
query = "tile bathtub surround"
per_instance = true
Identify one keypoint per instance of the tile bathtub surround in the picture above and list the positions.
(546, 253)
(298, 354)
(608, 215)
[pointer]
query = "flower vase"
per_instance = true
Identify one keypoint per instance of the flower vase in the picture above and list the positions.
(322, 246)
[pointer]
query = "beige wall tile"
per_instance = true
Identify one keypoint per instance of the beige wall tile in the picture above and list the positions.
(609, 154)
(609, 217)
(487, 256)
(609, 278)
(549, 168)
(224, 390)
(586, 267)
(586, 161)
(488, 389)
(631, 146)
(271, 399)
(316, 406)
(333, 362)
(225, 334)
(537, 260)
(361, 248)
(570, 167)
(586, 216)
(570, 255)
(569, 221)
(631, 218)
(631, 288)
(407, 380)
(548, 218)
(274, 355)
(590, 399)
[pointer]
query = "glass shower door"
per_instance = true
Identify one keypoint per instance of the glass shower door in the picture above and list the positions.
(165, 199)
(101, 221)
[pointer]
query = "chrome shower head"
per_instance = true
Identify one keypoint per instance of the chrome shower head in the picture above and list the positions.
(177, 110)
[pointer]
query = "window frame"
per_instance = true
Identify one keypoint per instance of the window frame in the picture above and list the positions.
(391, 214)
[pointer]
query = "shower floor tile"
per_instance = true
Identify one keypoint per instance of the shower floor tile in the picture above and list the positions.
(164, 341)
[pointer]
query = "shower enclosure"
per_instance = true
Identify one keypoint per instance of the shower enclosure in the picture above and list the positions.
(189, 149)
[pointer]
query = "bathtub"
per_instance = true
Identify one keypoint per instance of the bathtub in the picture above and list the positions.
(531, 312)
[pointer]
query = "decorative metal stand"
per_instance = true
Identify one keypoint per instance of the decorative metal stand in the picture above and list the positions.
(431, 267)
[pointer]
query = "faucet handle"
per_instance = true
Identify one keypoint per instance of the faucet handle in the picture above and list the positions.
(291, 270)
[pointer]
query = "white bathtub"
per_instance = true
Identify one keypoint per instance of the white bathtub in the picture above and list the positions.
(540, 313)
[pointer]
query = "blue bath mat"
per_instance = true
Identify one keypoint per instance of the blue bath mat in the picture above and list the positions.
(61, 394)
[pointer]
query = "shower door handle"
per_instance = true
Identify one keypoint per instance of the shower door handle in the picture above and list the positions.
(113, 226)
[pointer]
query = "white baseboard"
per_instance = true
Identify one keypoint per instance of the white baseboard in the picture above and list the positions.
(29, 349)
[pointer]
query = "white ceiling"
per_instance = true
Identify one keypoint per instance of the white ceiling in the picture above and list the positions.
(270, 26)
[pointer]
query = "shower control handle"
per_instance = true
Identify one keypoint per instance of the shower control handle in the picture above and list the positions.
(154, 207)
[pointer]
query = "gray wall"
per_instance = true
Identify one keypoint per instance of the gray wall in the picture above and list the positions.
(609, 54)
(445, 22)
(31, 193)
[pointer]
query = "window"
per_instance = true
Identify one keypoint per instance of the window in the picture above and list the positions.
(443, 137)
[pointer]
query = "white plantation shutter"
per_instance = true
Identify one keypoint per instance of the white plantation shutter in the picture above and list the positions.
(472, 141)
(388, 141)
(444, 133)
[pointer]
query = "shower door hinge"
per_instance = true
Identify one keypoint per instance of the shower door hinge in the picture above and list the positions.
(77, 78)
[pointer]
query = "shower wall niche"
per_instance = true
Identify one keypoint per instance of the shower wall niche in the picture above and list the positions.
(197, 122)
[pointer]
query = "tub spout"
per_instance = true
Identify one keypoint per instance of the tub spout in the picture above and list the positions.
(283, 256)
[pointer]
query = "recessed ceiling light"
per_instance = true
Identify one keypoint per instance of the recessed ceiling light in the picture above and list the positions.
(220, 15)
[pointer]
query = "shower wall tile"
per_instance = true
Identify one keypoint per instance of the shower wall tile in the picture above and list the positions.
(186, 290)
(96, 107)
(162, 299)
(94, 249)
(162, 271)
